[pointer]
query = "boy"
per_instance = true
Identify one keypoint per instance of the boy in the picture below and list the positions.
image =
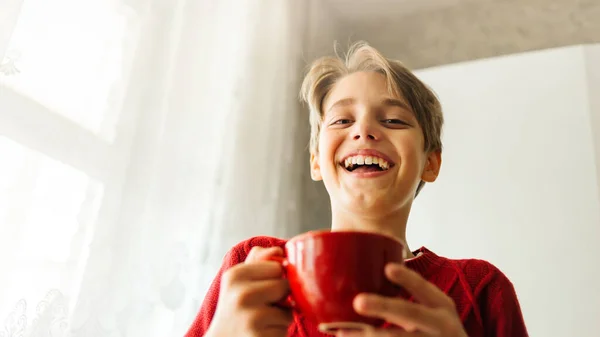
(375, 141)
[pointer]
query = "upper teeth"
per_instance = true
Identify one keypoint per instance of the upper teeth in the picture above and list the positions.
(368, 160)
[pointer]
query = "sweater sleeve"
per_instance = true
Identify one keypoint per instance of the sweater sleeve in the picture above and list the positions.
(236, 255)
(501, 312)
(209, 305)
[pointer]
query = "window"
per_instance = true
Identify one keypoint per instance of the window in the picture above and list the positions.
(71, 57)
(62, 87)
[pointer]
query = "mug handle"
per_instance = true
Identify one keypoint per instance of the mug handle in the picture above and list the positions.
(288, 301)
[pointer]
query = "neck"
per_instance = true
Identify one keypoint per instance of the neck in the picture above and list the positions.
(392, 224)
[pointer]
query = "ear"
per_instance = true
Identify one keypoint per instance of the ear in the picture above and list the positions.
(432, 166)
(315, 168)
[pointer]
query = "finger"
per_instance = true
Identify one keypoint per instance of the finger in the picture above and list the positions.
(274, 331)
(382, 333)
(264, 292)
(423, 291)
(273, 318)
(256, 271)
(261, 253)
(410, 316)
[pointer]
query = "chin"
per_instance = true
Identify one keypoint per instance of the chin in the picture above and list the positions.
(379, 202)
(366, 203)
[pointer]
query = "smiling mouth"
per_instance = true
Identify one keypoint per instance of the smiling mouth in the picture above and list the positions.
(366, 164)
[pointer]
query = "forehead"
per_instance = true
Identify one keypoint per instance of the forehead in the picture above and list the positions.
(362, 87)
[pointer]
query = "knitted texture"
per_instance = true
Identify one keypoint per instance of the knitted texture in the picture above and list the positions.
(485, 299)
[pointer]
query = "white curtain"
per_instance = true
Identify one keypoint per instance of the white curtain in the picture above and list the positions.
(139, 140)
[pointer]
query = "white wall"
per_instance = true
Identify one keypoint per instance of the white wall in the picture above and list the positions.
(592, 55)
(519, 180)
(322, 31)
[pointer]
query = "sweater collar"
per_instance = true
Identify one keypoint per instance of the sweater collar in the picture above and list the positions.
(425, 263)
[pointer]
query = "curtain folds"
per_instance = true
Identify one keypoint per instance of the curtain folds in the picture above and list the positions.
(140, 139)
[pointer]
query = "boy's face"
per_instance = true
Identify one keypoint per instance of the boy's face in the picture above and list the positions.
(363, 123)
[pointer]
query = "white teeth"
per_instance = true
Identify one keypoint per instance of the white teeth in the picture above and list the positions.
(366, 160)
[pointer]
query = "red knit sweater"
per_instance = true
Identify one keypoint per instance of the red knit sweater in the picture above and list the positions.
(485, 299)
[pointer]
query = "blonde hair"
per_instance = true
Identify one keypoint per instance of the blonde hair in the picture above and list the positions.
(325, 72)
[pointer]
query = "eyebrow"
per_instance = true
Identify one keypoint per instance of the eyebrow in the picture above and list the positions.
(396, 102)
(341, 103)
(386, 102)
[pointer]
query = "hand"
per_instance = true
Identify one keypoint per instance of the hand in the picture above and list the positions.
(434, 315)
(248, 291)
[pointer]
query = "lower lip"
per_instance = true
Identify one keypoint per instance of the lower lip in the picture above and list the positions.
(373, 174)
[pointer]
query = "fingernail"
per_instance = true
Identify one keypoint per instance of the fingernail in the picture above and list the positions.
(395, 269)
(365, 301)
(276, 249)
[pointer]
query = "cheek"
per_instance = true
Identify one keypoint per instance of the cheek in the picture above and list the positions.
(329, 143)
(328, 146)
(411, 151)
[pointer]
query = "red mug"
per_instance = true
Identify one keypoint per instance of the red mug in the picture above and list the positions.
(326, 270)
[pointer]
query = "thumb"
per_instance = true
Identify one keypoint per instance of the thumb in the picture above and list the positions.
(262, 254)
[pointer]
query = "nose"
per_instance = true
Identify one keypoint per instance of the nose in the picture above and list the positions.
(366, 130)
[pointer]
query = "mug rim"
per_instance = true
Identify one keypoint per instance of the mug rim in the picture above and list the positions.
(325, 232)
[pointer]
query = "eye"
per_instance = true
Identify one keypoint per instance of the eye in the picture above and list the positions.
(394, 121)
(341, 121)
